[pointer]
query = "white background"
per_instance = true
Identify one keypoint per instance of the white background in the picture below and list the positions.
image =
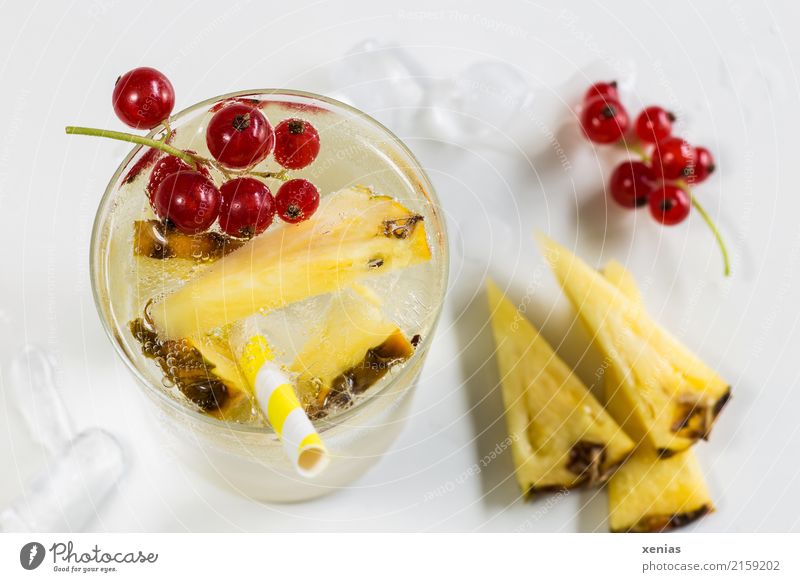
(725, 66)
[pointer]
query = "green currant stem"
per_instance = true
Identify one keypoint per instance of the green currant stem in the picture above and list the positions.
(214, 164)
(282, 175)
(168, 131)
(160, 144)
(696, 203)
(635, 147)
(223, 171)
(133, 138)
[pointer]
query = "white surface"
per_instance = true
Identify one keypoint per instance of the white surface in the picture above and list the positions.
(725, 67)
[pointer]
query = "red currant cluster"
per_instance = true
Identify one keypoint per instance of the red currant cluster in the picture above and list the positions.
(667, 166)
(181, 188)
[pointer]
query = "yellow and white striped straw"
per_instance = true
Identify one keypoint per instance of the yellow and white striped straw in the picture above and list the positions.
(275, 394)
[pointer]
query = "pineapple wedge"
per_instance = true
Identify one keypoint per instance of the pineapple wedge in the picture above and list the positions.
(354, 234)
(201, 369)
(664, 392)
(216, 350)
(353, 333)
(650, 493)
(561, 436)
(621, 278)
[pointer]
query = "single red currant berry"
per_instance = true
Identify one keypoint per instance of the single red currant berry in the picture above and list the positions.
(296, 200)
(239, 136)
(670, 205)
(704, 165)
(143, 98)
(654, 124)
(602, 89)
(296, 143)
(189, 200)
(164, 166)
(604, 120)
(247, 207)
(632, 183)
(673, 159)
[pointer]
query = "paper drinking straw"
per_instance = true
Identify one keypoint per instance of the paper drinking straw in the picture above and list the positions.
(275, 394)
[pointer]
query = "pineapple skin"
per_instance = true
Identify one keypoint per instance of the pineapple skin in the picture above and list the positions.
(651, 493)
(553, 420)
(653, 382)
(353, 235)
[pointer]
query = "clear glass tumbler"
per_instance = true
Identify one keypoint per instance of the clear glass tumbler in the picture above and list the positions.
(249, 457)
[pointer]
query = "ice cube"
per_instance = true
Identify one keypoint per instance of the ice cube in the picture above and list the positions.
(386, 81)
(32, 382)
(81, 470)
(478, 105)
(67, 494)
(381, 79)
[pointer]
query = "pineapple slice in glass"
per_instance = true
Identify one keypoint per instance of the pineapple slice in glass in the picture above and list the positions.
(216, 351)
(353, 348)
(561, 436)
(354, 234)
(664, 393)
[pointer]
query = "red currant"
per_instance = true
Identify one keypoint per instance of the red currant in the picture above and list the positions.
(189, 200)
(704, 165)
(143, 98)
(296, 143)
(673, 159)
(296, 200)
(670, 205)
(602, 89)
(247, 207)
(165, 166)
(632, 183)
(604, 120)
(239, 136)
(654, 124)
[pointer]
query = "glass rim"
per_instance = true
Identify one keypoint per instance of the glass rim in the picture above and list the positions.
(116, 339)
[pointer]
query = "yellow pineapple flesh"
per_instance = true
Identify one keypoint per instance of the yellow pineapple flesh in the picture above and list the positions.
(334, 359)
(201, 369)
(621, 278)
(663, 392)
(354, 234)
(649, 492)
(216, 351)
(561, 436)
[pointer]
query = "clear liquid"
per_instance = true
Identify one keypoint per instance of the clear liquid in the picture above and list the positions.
(353, 153)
